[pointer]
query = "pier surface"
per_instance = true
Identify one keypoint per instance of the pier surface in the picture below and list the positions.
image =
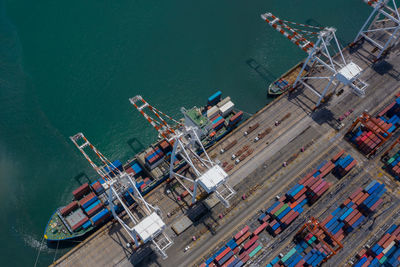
(261, 175)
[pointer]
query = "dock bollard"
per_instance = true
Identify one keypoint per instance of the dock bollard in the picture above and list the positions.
(244, 196)
(284, 164)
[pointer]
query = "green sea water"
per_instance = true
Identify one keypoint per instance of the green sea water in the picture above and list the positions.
(70, 66)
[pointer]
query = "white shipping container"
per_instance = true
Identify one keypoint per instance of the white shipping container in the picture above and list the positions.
(212, 112)
(227, 108)
(224, 101)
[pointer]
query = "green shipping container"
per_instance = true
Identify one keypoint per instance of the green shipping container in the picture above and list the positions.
(287, 256)
(254, 252)
(382, 260)
(281, 209)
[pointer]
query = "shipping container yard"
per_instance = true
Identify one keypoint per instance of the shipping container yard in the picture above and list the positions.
(315, 180)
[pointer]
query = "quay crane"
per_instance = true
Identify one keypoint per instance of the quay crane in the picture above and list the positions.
(383, 19)
(188, 146)
(151, 227)
(319, 57)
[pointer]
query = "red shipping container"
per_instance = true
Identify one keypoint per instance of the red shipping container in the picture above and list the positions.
(80, 191)
(376, 204)
(388, 241)
(278, 231)
(222, 254)
(236, 250)
(249, 243)
(323, 189)
(320, 186)
(355, 218)
(338, 155)
(237, 115)
(67, 209)
(351, 215)
(301, 192)
(266, 218)
(316, 185)
(243, 238)
(130, 171)
(327, 219)
(350, 166)
(87, 198)
(260, 228)
(291, 218)
(347, 201)
(358, 197)
(79, 224)
(307, 176)
(300, 263)
(287, 216)
(361, 199)
(397, 231)
(232, 259)
(245, 258)
(241, 232)
(301, 198)
(277, 208)
(243, 255)
(355, 193)
(95, 209)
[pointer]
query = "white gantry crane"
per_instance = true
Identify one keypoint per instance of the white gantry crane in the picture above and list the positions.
(188, 146)
(382, 28)
(325, 53)
(151, 227)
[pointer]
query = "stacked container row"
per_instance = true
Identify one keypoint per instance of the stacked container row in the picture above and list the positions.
(237, 251)
(354, 210)
(384, 252)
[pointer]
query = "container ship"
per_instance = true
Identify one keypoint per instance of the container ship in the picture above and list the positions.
(286, 81)
(89, 208)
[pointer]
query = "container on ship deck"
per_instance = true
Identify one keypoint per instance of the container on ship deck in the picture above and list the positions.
(67, 209)
(224, 101)
(89, 199)
(94, 208)
(165, 146)
(101, 216)
(79, 224)
(227, 108)
(98, 187)
(212, 112)
(214, 99)
(219, 124)
(80, 191)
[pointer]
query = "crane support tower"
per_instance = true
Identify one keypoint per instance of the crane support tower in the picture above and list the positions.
(206, 173)
(382, 28)
(188, 146)
(320, 57)
(151, 227)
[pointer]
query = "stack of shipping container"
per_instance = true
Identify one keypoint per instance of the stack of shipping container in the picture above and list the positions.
(393, 165)
(237, 251)
(310, 251)
(371, 135)
(309, 189)
(385, 252)
(153, 158)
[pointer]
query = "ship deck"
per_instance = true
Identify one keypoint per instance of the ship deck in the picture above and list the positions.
(260, 176)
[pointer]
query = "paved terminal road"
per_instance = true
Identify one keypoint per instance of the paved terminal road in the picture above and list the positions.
(263, 171)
